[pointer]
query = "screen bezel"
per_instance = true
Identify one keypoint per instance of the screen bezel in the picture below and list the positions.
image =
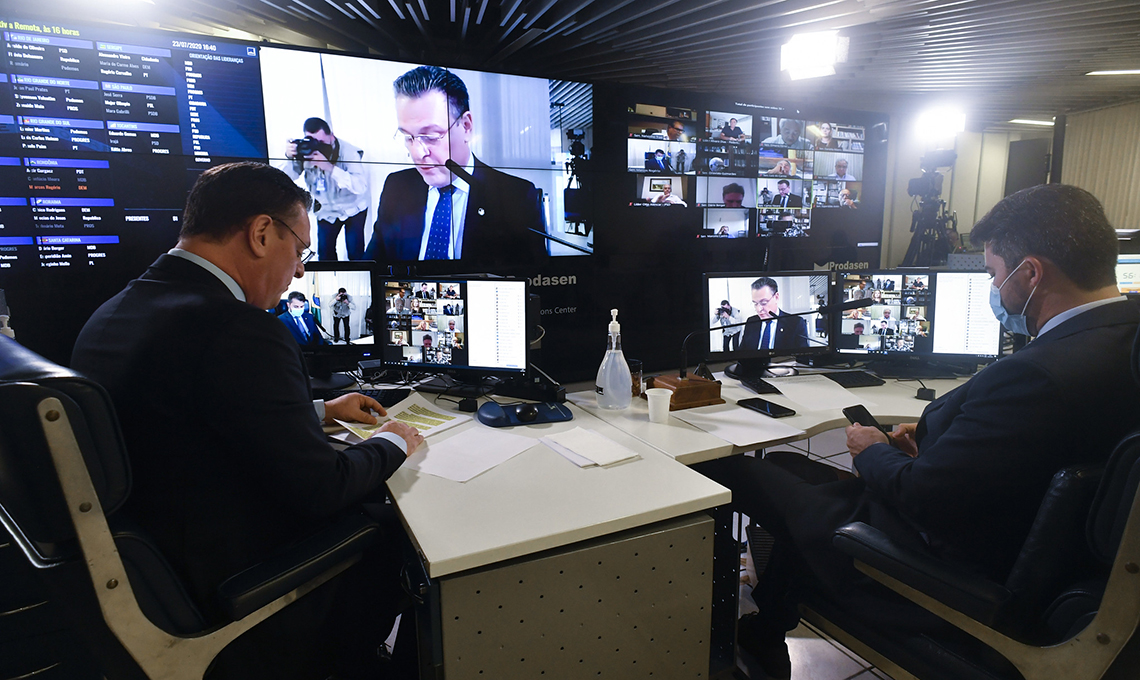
(469, 372)
(742, 354)
(343, 357)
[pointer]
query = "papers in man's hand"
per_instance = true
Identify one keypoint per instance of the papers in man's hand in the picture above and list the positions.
(467, 454)
(415, 411)
(737, 426)
(585, 448)
(815, 392)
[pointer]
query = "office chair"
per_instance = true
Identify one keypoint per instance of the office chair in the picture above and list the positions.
(1069, 608)
(65, 474)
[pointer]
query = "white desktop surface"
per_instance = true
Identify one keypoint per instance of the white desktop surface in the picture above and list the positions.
(539, 500)
(891, 404)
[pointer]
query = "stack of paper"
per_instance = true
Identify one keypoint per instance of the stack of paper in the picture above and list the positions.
(415, 411)
(737, 426)
(815, 392)
(585, 448)
(468, 454)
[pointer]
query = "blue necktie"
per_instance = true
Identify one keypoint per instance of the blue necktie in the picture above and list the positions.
(439, 237)
(304, 331)
(766, 338)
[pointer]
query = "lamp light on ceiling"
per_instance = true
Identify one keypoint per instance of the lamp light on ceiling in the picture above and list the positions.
(942, 123)
(1030, 121)
(813, 55)
(1125, 72)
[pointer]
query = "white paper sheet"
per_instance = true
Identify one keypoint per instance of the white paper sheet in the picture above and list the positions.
(736, 425)
(815, 392)
(589, 447)
(414, 410)
(468, 454)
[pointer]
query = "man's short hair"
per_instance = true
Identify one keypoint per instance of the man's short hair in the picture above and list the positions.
(790, 121)
(860, 325)
(315, 124)
(784, 181)
(733, 188)
(226, 196)
(423, 79)
(766, 282)
(1059, 222)
(297, 295)
(660, 151)
(341, 290)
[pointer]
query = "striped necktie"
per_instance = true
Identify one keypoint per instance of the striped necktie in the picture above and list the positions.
(439, 237)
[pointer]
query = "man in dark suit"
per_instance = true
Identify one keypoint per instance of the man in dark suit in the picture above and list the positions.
(228, 458)
(300, 322)
(965, 482)
(658, 162)
(429, 213)
(769, 328)
(784, 198)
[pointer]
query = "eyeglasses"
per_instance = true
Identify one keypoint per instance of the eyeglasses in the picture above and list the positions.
(306, 253)
(426, 140)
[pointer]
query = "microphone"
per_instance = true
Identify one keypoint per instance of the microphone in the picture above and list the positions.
(824, 309)
(459, 171)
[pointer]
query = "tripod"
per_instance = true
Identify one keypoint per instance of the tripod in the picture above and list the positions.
(931, 226)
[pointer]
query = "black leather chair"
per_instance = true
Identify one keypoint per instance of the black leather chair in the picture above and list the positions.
(64, 475)
(1069, 608)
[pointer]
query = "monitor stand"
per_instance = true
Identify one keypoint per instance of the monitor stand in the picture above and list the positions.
(758, 368)
(452, 386)
(333, 381)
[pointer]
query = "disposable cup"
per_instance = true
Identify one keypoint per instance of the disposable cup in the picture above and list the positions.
(658, 404)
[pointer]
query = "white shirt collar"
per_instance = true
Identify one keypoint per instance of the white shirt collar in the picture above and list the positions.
(1070, 313)
(212, 268)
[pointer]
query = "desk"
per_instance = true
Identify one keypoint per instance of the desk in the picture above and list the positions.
(891, 404)
(525, 563)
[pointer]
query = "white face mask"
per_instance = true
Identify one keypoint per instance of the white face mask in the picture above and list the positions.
(1014, 323)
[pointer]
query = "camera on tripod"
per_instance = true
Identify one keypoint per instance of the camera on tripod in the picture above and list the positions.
(935, 230)
(576, 199)
(929, 186)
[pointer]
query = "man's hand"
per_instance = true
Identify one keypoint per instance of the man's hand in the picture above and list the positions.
(353, 407)
(860, 437)
(318, 159)
(411, 435)
(903, 439)
(291, 150)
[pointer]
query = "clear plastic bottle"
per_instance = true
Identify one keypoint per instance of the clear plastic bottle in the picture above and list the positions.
(614, 380)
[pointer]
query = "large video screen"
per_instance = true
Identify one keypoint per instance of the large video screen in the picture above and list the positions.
(381, 175)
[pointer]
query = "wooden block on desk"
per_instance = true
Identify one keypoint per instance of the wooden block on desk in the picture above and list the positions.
(688, 392)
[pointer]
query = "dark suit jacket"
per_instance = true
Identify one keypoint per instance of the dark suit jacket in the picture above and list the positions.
(794, 200)
(315, 337)
(988, 449)
(791, 331)
(662, 166)
(227, 454)
(500, 210)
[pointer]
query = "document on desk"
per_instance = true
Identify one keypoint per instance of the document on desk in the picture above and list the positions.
(816, 392)
(468, 454)
(736, 425)
(585, 448)
(415, 410)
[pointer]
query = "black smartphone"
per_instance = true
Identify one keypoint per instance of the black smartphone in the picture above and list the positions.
(766, 407)
(859, 414)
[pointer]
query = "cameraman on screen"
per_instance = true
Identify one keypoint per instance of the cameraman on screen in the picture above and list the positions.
(342, 311)
(727, 315)
(338, 180)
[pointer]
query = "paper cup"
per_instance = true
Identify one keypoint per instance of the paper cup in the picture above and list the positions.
(658, 404)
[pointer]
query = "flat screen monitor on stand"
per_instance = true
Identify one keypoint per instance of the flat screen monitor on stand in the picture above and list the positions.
(467, 332)
(330, 314)
(776, 310)
(922, 323)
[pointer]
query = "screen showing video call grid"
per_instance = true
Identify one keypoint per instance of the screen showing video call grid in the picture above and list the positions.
(927, 313)
(341, 318)
(764, 303)
(753, 175)
(454, 323)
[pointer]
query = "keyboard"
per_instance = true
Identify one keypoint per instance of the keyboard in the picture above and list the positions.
(388, 397)
(759, 385)
(855, 378)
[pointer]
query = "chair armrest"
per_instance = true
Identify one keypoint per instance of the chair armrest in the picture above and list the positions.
(343, 540)
(976, 597)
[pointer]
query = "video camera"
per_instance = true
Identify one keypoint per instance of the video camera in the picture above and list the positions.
(307, 146)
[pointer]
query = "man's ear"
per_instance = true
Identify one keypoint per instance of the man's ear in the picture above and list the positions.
(260, 232)
(1036, 267)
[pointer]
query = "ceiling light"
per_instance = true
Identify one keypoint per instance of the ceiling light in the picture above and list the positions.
(1027, 121)
(1129, 72)
(935, 124)
(812, 55)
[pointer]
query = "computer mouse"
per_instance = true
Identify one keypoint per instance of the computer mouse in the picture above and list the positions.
(493, 415)
(526, 413)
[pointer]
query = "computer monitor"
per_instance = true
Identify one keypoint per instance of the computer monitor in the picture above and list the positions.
(464, 327)
(331, 314)
(776, 310)
(918, 313)
(1128, 273)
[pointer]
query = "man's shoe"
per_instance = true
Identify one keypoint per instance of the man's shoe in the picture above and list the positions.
(769, 649)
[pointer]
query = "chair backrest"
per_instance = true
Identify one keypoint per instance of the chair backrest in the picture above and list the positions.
(1114, 499)
(31, 503)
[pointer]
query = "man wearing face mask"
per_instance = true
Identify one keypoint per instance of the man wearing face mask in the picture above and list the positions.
(965, 482)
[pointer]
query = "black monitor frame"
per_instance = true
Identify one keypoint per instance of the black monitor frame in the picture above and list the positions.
(756, 361)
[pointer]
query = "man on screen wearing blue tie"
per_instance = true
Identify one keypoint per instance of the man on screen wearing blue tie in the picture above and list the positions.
(430, 213)
(769, 328)
(299, 322)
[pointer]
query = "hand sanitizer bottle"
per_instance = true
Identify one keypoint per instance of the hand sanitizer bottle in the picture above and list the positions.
(614, 381)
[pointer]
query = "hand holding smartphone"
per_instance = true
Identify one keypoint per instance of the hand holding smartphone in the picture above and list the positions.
(858, 414)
